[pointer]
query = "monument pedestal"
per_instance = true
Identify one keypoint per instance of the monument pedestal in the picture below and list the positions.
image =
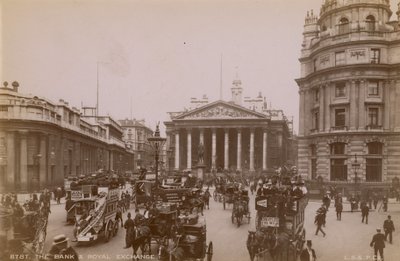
(200, 171)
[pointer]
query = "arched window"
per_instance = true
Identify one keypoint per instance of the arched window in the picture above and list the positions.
(370, 23)
(374, 161)
(338, 162)
(344, 26)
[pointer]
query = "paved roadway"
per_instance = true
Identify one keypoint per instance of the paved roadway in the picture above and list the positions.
(346, 240)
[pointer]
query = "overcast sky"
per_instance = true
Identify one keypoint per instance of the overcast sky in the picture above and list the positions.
(157, 53)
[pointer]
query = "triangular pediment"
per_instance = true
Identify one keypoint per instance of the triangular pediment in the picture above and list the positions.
(220, 110)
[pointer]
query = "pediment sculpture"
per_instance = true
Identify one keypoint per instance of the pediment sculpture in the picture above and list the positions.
(220, 112)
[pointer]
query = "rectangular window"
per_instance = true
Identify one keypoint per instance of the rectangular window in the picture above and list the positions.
(375, 55)
(340, 89)
(338, 148)
(3, 108)
(374, 170)
(340, 58)
(338, 170)
(373, 88)
(373, 116)
(340, 117)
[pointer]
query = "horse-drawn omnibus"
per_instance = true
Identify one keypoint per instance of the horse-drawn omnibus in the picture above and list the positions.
(280, 233)
(97, 216)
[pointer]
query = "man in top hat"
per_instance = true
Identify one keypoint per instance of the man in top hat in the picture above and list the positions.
(378, 242)
(61, 251)
(308, 254)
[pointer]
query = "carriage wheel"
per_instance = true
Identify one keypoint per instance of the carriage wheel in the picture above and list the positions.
(210, 250)
(107, 232)
(239, 221)
(223, 203)
(115, 231)
(233, 218)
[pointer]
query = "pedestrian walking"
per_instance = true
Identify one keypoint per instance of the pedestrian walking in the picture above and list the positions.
(58, 195)
(319, 221)
(385, 204)
(206, 198)
(364, 213)
(118, 215)
(308, 254)
(375, 199)
(378, 243)
(129, 226)
(388, 227)
(339, 209)
(60, 250)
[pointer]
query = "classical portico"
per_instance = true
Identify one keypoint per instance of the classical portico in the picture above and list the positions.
(234, 138)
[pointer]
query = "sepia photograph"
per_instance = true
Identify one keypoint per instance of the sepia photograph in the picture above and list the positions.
(188, 130)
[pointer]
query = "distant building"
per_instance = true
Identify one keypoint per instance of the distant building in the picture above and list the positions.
(349, 129)
(135, 135)
(42, 142)
(242, 134)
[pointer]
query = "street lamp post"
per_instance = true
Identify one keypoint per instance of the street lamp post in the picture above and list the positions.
(156, 142)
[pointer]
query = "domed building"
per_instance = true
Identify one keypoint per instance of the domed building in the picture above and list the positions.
(349, 130)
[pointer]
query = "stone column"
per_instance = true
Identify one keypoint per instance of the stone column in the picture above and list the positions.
(177, 150)
(361, 106)
(386, 99)
(397, 111)
(226, 150)
(239, 150)
(189, 148)
(10, 161)
(42, 162)
(353, 105)
(264, 151)
(302, 114)
(328, 91)
(252, 149)
(213, 148)
(321, 108)
(23, 160)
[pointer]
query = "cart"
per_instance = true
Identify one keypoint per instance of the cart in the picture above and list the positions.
(190, 244)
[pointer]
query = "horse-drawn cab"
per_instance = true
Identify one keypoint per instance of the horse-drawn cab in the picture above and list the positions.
(193, 199)
(241, 207)
(190, 243)
(163, 224)
(220, 184)
(230, 194)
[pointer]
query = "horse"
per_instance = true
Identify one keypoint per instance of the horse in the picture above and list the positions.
(238, 212)
(256, 242)
(141, 235)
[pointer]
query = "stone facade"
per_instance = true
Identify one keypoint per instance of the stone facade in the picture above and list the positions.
(349, 90)
(42, 142)
(234, 137)
(136, 134)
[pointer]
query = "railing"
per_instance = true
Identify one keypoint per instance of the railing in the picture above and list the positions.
(373, 127)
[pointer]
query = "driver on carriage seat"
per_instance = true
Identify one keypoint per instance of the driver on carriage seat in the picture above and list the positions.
(139, 218)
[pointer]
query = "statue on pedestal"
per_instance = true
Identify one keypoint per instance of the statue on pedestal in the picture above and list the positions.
(201, 153)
